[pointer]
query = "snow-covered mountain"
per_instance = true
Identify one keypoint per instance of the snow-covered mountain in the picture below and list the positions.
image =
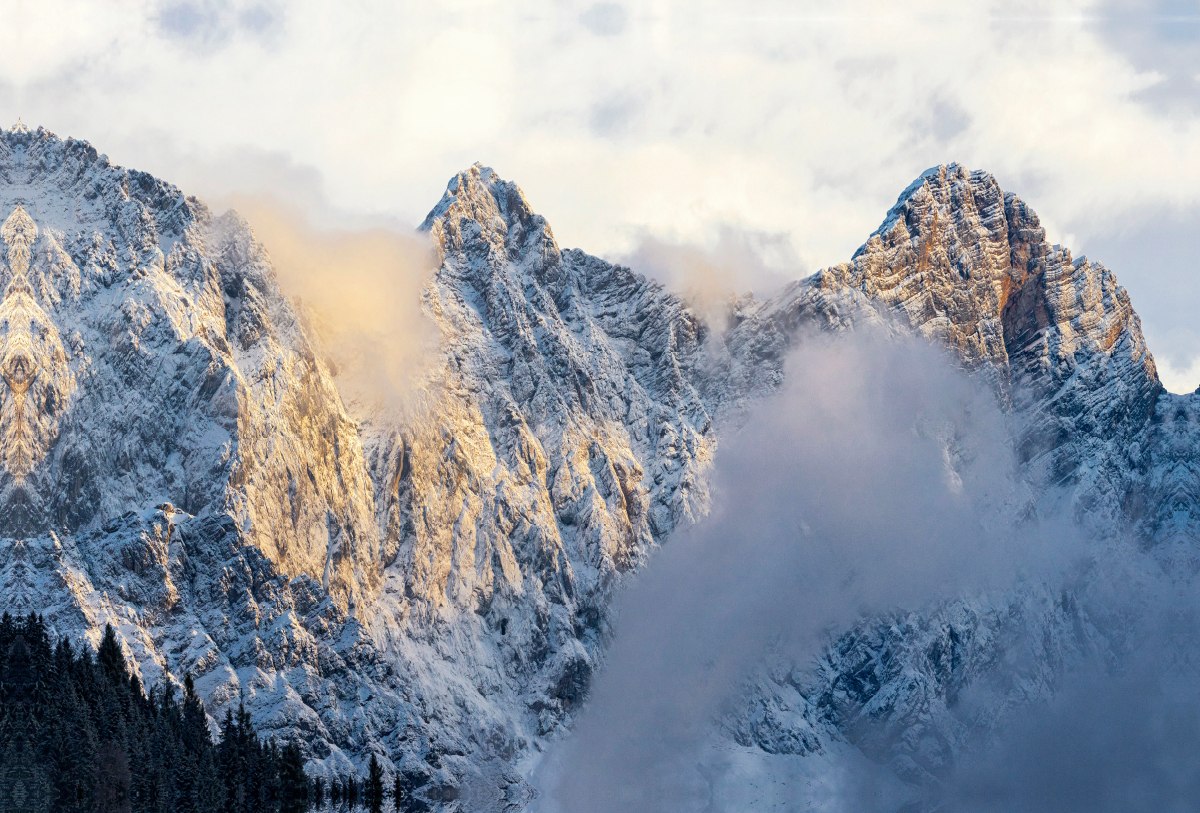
(433, 584)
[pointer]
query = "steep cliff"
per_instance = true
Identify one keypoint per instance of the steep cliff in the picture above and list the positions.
(432, 583)
(1099, 441)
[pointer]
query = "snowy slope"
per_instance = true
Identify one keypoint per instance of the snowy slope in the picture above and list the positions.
(433, 585)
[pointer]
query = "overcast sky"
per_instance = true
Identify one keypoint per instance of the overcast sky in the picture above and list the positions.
(682, 121)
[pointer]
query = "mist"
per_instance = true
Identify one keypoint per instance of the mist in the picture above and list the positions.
(740, 261)
(880, 477)
(362, 292)
(1105, 744)
(1122, 729)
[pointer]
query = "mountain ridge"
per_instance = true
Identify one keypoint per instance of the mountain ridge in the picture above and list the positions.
(434, 587)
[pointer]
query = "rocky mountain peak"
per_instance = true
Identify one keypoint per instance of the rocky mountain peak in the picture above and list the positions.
(968, 265)
(434, 586)
(482, 215)
(943, 261)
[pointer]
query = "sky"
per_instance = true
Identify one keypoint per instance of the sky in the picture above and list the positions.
(778, 126)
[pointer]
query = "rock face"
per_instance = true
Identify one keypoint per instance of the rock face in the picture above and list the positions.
(1099, 441)
(433, 584)
(150, 358)
(963, 263)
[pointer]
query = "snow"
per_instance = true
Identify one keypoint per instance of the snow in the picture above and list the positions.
(430, 585)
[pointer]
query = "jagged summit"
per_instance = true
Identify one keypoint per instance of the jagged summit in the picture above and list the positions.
(968, 264)
(498, 210)
(434, 587)
(479, 185)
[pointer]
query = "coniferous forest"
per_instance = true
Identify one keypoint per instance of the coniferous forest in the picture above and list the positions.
(78, 732)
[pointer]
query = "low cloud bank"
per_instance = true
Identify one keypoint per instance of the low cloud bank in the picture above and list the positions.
(880, 477)
(1122, 731)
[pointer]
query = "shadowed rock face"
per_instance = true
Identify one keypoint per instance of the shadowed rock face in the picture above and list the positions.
(434, 585)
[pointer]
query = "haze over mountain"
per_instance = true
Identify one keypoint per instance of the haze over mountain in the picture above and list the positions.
(432, 578)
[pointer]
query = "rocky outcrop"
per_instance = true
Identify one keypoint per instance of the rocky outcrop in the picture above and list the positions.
(1097, 438)
(943, 262)
(432, 583)
(161, 364)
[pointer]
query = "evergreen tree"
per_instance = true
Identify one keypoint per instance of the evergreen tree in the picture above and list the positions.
(374, 786)
(110, 657)
(112, 791)
(210, 795)
(78, 733)
(294, 786)
(318, 792)
(399, 792)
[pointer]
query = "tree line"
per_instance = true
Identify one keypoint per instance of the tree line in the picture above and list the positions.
(79, 733)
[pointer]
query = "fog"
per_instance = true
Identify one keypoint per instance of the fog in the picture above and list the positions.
(1122, 730)
(362, 291)
(1105, 744)
(880, 477)
(739, 261)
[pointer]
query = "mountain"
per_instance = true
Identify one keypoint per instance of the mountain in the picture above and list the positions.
(432, 584)
(1099, 442)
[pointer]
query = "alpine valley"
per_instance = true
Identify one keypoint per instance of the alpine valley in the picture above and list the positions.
(433, 583)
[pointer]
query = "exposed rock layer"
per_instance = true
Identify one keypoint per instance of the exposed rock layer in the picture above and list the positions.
(433, 585)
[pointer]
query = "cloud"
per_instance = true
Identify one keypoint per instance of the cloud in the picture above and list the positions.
(659, 118)
(1114, 744)
(740, 261)
(1120, 733)
(880, 478)
(1162, 38)
(605, 19)
(947, 119)
(210, 25)
(363, 291)
(615, 116)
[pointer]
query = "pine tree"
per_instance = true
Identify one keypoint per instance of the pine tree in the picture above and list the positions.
(78, 733)
(210, 790)
(374, 786)
(318, 792)
(112, 791)
(294, 785)
(110, 657)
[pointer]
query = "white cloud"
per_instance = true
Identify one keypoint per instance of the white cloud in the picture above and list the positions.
(621, 119)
